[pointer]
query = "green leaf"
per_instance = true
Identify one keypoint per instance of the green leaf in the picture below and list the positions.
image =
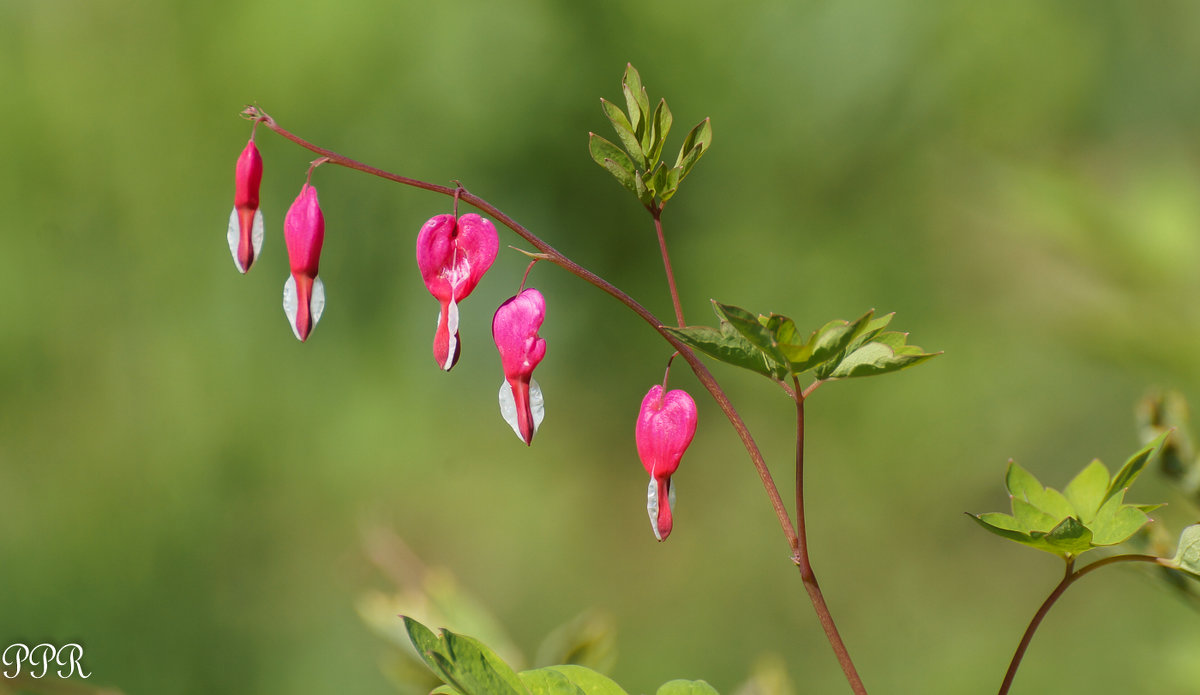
(724, 344)
(624, 132)
(477, 669)
(545, 681)
(886, 352)
(694, 146)
(1187, 557)
(622, 175)
(1030, 518)
(660, 125)
(1129, 472)
(428, 645)
(672, 184)
(589, 681)
(1115, 522)
(1070, 537)
(1086, 490)
(644, 194)
(823, 345)
(757, 334)
(602, 149)
(445, 690)
(636, 100)
(685, 687)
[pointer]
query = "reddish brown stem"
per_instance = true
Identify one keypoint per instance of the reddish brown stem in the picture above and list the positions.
(800, 557)
(1069, 578)
(794, 535)
(656, 212)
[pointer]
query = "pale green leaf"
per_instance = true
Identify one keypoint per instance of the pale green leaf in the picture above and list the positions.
(686, 687)
(589, 681)
(1087, 489)
(1187, 557)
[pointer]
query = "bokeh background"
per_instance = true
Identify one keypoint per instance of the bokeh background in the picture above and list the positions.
(184, 487)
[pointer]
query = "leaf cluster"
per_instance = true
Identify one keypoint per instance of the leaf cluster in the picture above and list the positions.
(642, 133)
(773, 346)
(1090, 512)
(468, 667)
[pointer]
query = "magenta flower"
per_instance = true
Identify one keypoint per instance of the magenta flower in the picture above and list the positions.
(246, 222)
(665, 427)
(453, 254)
(304, 232)
(515, 330)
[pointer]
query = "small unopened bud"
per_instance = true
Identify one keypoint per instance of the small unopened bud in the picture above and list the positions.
(246, 222)
(304, 232)
(515, 330)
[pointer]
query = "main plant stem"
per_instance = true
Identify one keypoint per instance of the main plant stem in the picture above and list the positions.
(800, 556)
(794, 538)
(656, 212)
(1070, 576)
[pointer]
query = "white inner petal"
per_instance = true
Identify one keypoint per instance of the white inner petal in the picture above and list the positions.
(317, 306)
(652, 507)
(235, 236)
(508, 408)
(452, 329)
(537, 405)
(290, 303)
(256, 233)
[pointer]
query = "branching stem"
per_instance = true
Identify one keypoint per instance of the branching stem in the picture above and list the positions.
(794, 535)
(1071, 576)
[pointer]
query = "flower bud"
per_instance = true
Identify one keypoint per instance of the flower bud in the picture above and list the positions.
(515, 330)
(665, 427)
(453, 254)
(245, 222)
(304, 232)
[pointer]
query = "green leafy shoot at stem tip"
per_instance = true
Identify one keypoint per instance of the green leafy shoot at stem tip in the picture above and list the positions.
(1089, 513)
(467, 667)
(642, 134)
(772, 345)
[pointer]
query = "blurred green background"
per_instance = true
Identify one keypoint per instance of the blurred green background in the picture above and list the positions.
(183, 486)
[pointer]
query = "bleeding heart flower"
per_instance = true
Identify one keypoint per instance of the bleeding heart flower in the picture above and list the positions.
(246, 222)
(514, 328)
(665, 427)
(304, 232)
(453, 254)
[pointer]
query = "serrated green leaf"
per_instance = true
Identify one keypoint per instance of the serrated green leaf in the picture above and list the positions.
(1086, 490)
(1129, 472)
(672, 184)
(624, 132)
(601, 149)
(724, 344)
(1030, 518)
(589, 681)
(826, 343)
(1187, 557)
(694, 146)
(1118, 524)
(758, 335)
(546, 681)
(1070, 537)
(1021, 483)
(686, 687)
(477, 670)
(635, 98)
(660, 125)
(643, 192)
(428, 645)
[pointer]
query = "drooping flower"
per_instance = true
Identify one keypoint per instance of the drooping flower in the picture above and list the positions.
(245, 222)
(515, 330)
(453, 254)
(665, 427)
(304, 232)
